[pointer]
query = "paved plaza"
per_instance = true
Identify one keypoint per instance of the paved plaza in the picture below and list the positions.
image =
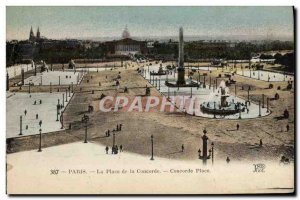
(42, 104)
(55, 78)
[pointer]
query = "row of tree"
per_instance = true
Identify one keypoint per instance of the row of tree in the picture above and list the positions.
(193, 50)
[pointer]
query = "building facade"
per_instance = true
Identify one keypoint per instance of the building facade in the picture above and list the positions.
(126, 46)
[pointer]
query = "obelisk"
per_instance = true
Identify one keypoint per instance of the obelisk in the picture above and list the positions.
(180, 69)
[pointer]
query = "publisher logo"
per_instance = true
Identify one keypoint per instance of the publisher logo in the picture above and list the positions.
(259, 168)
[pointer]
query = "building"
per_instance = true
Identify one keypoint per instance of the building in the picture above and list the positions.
(37, 38)
(126, 46)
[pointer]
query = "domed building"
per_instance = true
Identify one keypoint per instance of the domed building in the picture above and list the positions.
(125, 33)
(126, 46)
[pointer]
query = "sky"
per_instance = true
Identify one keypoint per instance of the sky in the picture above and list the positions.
(89, 22)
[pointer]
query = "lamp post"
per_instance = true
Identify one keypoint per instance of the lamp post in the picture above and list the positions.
(85, 120)
(50, 87)
(268, 104)
(57, 109)
(114, 139)
(263, 100)
(62, 119)
(159, 84)
(259, 109)
(151, 148)
(240, 112)
(40, 145)
(215, 109)
(20, 125)
(63, 100)
(212, 152)
(248, 94)
(204, 157)
(194, 105)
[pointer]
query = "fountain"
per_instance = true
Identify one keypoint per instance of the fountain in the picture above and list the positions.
(219, 105)
(72, 65)
(160, 72)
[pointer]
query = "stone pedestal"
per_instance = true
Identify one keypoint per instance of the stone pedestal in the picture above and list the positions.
(180, 76)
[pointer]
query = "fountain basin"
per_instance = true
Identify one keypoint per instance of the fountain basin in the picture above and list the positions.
(174, 84)
(231, 109)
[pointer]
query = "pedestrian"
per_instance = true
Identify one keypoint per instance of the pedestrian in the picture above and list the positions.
(287, 128)
(25, 112)
(116, 149)
(120, 126)
(121, 148)
(34, 102)
(117, 127)
(227, 160)
(260, 143)
(182, 148)
(36, 116)
(40, 101)
(113, 150)
(237, 127)
(106, 149)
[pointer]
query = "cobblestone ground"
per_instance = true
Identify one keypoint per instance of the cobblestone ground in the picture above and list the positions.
(171, 130)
